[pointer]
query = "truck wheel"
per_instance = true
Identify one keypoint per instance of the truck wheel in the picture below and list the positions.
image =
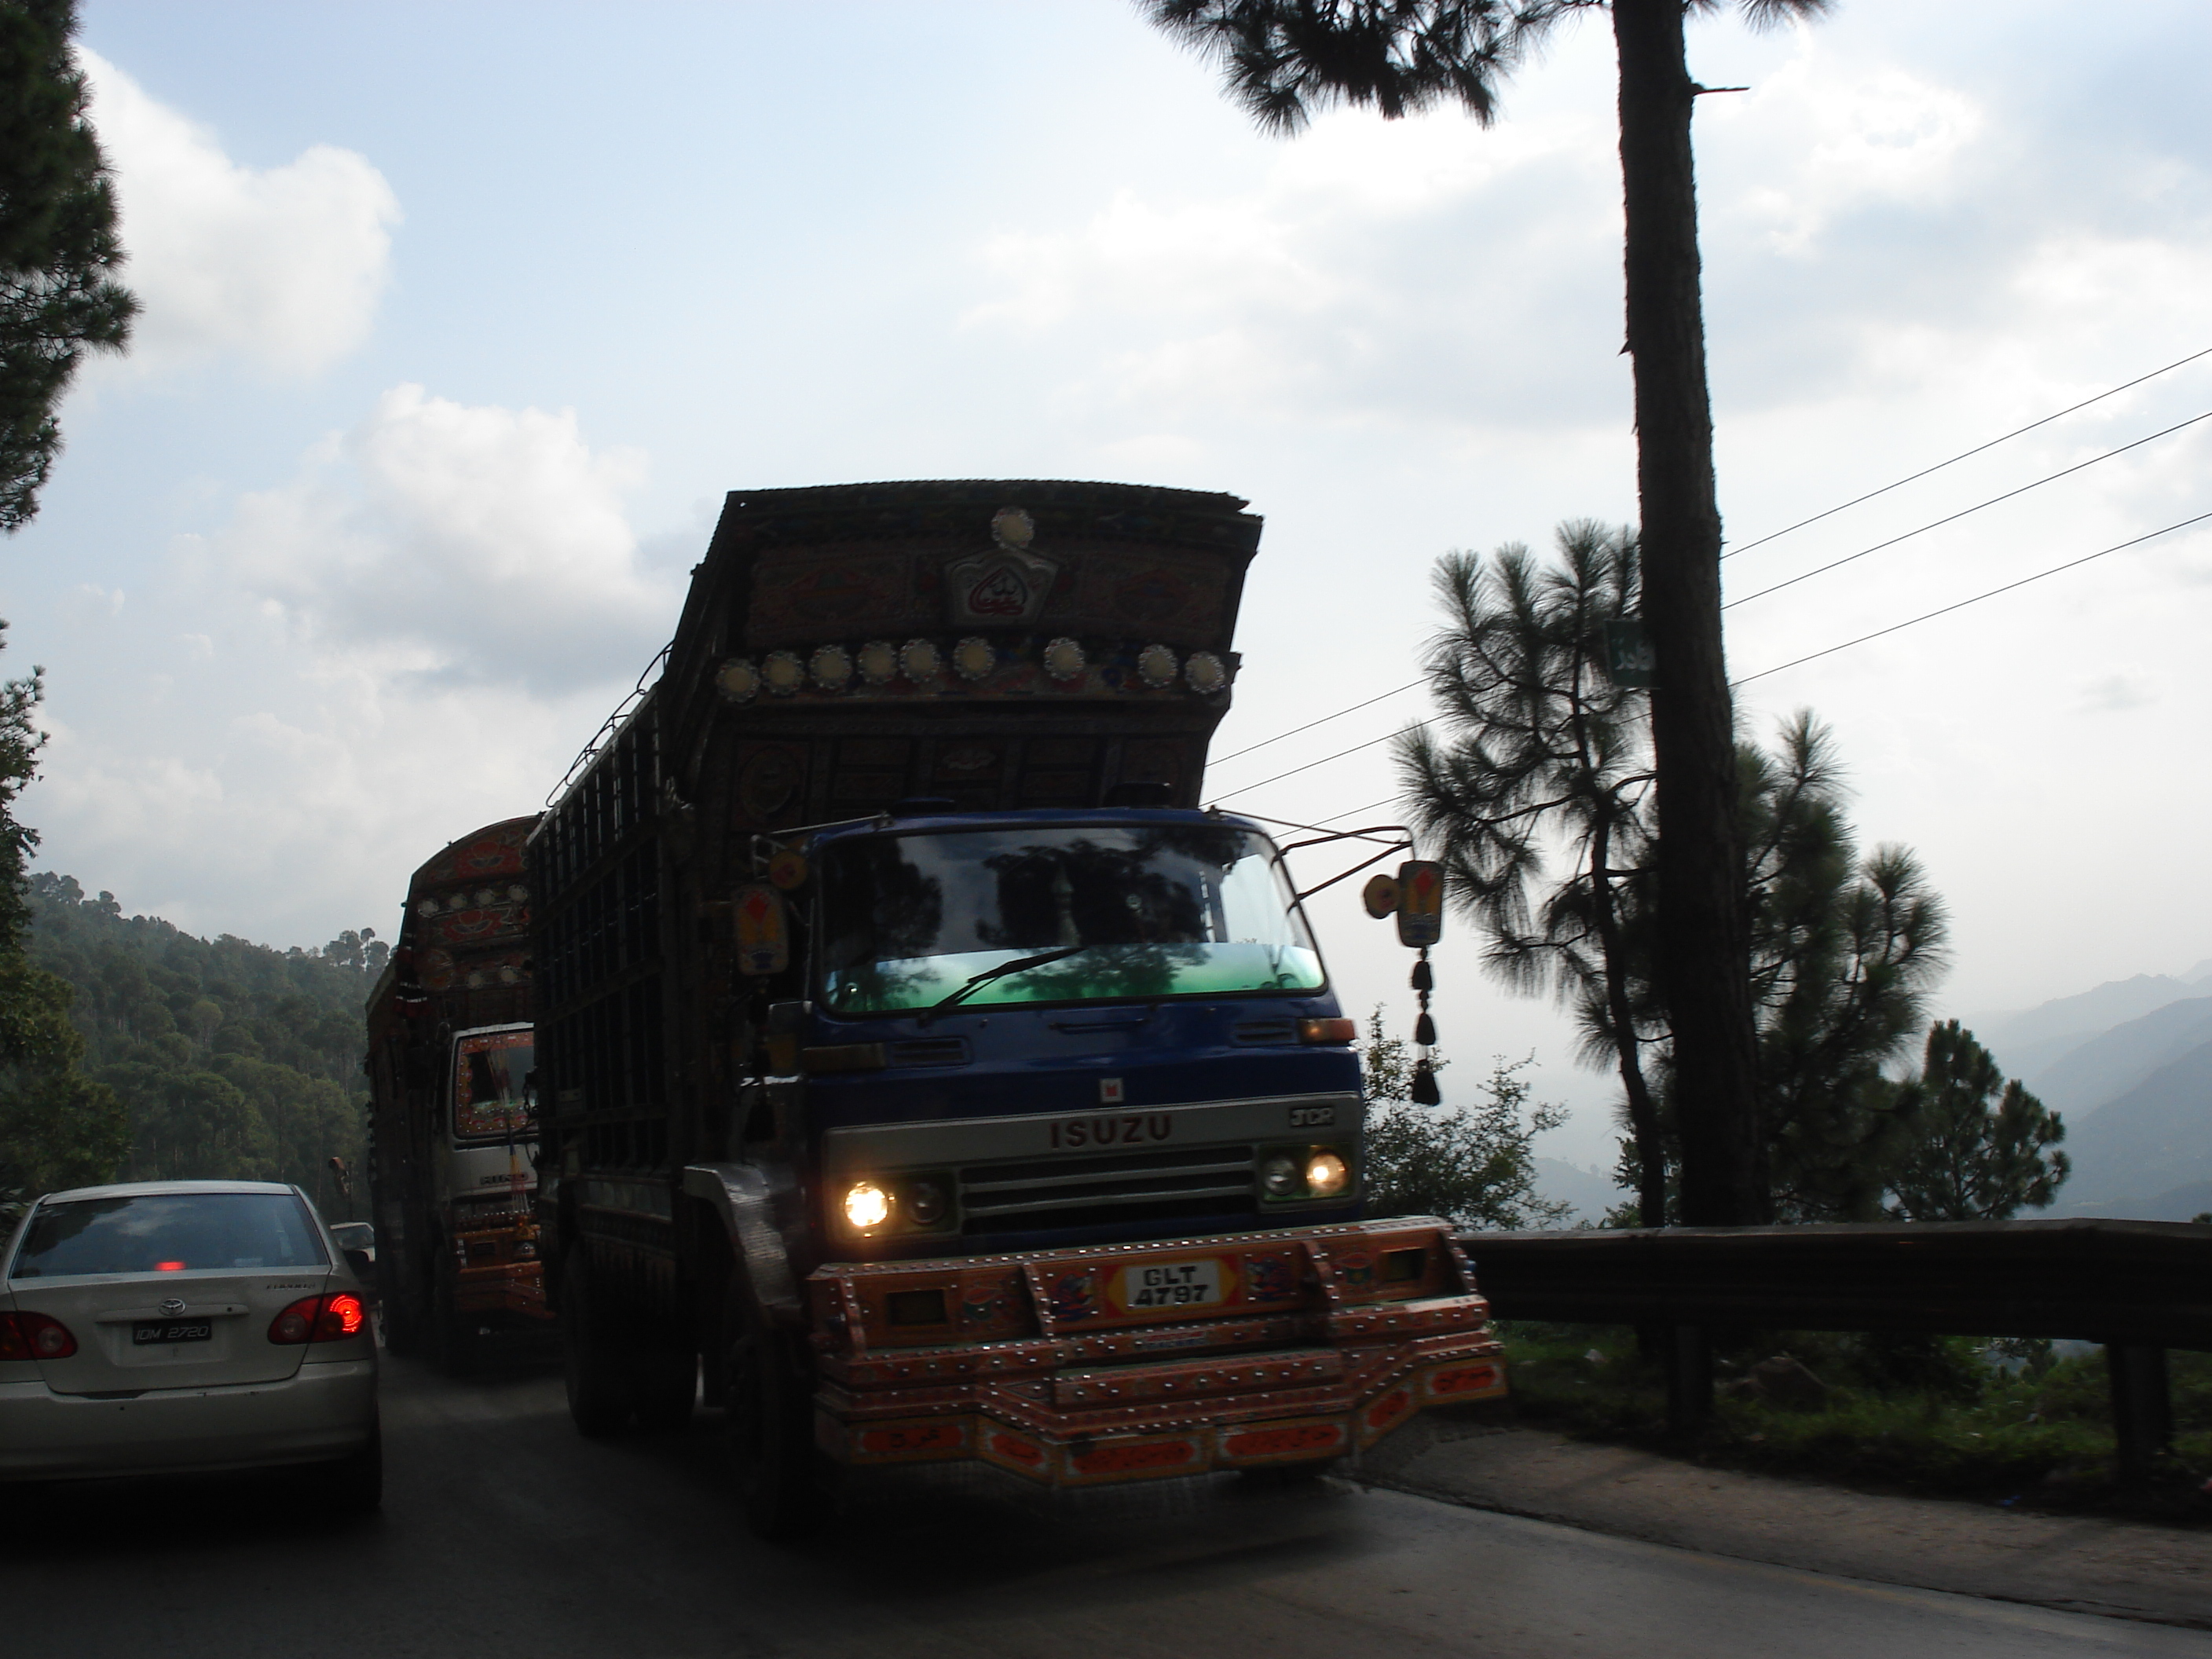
(598, 1401)
(666, 1386)
(768, 1429)
(452, 1345)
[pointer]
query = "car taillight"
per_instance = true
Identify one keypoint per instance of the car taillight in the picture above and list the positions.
(329, 1318)
(34, 1336)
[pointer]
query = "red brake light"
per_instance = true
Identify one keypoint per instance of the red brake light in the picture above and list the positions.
(168, 1266)
(34, 1336)
(1329, 1031)
(329, 1318)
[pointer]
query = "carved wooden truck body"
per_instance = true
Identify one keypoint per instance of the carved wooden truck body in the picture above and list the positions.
(452, 1117)
(920, 1057)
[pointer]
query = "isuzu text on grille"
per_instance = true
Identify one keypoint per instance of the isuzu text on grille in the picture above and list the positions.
(1112, 1131)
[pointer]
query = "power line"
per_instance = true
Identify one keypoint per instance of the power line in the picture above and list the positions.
(1939, 523)
(1223, 759)
(1323, 761)
(1967, 454)
(1947, 610)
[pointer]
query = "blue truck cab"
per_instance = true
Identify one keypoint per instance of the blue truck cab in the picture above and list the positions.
(1041, 1028)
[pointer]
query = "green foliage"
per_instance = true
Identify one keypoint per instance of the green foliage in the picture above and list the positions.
(57, 1128)
(1535, 745)
(1843, 950)
(1473, 1165)
(1284, 60)
(1533, 784)
(1957, 1416)
(233, 1060)
(58, 249)
(1982, 1148)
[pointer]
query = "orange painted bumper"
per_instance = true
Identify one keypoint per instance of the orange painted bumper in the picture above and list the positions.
(1118, 1363)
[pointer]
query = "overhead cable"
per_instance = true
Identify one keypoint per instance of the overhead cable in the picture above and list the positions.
(1963, 512)
(1947, 610)
(1969, 454)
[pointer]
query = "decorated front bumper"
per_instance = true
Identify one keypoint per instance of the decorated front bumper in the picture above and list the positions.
(1118, 1363)
(497, 1269)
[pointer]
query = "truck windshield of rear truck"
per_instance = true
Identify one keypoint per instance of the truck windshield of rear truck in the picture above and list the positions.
(1120, 912)
(494, 1087)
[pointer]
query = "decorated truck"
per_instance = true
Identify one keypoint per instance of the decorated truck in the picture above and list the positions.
(452, 1111)
(921, 1067)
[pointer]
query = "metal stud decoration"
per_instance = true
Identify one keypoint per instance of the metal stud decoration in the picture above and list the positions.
(832, 667)
(1064, 660)
(783, 672)
(738, 679)
(879, 662)
(1157, 665)
(1205, 673)
(973, 658)
(918, 661)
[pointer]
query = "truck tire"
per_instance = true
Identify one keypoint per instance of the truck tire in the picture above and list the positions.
(769, 1433)
(591, 1367)
(665, 1387)
(453, 1344)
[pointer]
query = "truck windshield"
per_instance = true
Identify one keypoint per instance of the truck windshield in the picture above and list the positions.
(1116, 911)
(494, 1090)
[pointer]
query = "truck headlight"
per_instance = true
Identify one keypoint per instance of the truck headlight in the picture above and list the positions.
(925, 1203)
(1278, 1175)
(1326, 1173)
(867, 1205)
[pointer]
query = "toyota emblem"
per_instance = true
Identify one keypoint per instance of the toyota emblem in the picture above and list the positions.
(174, 1304)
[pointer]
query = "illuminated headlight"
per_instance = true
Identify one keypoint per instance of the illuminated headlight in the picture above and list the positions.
(525, 1251)
(1326, 1173)
(868, 1205)
(1278, 1175)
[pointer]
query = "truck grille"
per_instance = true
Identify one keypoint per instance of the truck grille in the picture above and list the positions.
(1110, 1186)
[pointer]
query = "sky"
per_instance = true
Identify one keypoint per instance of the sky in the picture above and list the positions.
(459, 320)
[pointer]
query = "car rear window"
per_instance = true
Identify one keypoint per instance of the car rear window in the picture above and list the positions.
(167, 1232)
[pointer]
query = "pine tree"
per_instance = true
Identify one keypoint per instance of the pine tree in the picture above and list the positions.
(1982, 1148)
(58, 249)
(58, 1128)
(1284, 58)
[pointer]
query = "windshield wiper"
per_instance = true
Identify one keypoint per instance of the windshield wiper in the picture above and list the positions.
(976, 982)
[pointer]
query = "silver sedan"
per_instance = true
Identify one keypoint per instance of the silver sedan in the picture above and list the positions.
(176, 1326)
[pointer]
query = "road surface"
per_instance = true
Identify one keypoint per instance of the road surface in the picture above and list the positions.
(505, 1534)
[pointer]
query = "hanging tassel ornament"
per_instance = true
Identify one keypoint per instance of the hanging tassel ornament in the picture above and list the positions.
(1425, 1091)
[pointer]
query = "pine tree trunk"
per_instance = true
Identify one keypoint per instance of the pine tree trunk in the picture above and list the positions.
(1704, 970)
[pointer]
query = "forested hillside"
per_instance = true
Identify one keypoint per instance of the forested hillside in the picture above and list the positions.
(231, 1059)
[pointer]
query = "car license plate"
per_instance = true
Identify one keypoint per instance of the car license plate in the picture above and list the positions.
(172, 1330)
(1151, 1286)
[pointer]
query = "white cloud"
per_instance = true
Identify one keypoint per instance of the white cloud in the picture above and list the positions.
(470, 543)
(282, 265)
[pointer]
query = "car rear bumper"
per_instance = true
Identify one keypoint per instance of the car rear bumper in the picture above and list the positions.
(323, 1411)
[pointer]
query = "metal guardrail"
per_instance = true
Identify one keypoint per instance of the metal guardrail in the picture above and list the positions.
(2139, 1287)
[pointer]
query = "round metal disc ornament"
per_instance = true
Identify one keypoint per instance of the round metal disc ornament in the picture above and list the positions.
(973, 658)
(879, 662)
(738, 679)
(783, 672)
(1157, 666)
(831, 667)
(1205, 673)
(1064, 660)
(787, 870)
(918, 661)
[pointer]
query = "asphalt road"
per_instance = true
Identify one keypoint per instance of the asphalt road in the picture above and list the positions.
(505, 1534)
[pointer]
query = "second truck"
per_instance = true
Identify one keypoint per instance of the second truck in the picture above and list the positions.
(919, 1064)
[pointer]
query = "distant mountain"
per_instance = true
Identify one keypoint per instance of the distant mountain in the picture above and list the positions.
(2029, 1040)
(1590, 1191)
(2147, 1147)
(2112, 1062)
